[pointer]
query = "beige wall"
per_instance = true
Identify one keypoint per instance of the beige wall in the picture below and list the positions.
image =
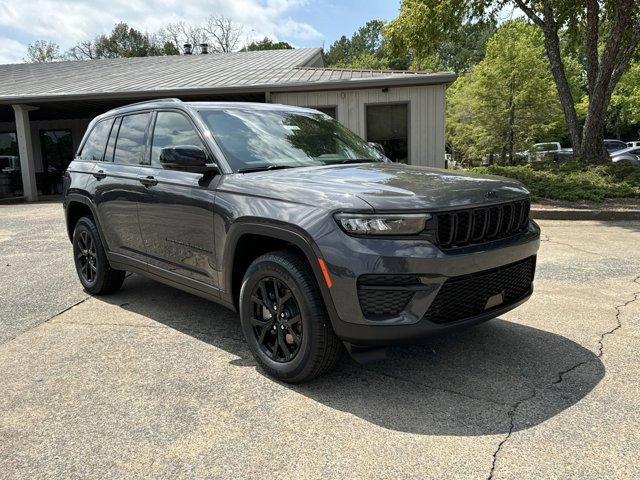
(77, 127)
(426, 114)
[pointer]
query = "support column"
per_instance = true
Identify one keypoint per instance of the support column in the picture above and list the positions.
(25, 148)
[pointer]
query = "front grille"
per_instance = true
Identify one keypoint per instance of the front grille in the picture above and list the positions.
(384, 295)
(467, 296)
(460, 228)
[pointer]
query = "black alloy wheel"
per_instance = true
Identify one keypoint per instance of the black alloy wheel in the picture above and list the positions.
(93, 268)
(276, 320)
(284, 319)
(87, 257)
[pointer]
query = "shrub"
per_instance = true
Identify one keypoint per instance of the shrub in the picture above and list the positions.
(573, 180)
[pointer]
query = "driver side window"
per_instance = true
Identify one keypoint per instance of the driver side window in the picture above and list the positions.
(172, 129)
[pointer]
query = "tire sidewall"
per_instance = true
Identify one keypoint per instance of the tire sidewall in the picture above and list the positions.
(272, 268)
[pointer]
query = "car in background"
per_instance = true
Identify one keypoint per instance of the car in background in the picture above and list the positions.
(627, 155)
(633, 144)
(9, 163)
(546, 151)
(614, 145)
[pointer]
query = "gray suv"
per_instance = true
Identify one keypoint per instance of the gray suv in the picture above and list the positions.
(283, 214)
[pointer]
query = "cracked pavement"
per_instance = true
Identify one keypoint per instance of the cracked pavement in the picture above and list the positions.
(152, 382)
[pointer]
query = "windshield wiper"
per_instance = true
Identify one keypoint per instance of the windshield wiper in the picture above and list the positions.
(263, 168)
(356, 160)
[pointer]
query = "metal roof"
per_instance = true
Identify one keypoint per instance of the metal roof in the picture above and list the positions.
(270, 70)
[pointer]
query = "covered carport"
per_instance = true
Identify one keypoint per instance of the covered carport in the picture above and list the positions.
(40, 120)
(45, 108)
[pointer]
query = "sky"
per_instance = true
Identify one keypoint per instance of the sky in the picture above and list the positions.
(303, 23)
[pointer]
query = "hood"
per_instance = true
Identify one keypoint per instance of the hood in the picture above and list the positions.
(382, 186)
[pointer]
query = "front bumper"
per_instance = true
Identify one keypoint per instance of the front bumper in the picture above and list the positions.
(348, 258)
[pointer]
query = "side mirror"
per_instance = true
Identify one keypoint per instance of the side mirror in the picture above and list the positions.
(188, 158)
(377, 146)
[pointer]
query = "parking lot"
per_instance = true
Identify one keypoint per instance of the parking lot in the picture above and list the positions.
(152, 382)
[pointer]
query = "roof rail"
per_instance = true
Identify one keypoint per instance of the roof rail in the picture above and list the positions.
(175, 100)
(154, 100)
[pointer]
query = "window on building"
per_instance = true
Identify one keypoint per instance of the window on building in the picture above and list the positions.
(130, 145)
(388, 125)
(57, 150)
(93, 148)
(172, 129)
(10, 181)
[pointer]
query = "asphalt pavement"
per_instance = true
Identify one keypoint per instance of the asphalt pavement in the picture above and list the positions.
(154, 383)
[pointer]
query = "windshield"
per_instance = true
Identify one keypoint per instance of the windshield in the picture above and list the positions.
(545, 147)
(255, 139)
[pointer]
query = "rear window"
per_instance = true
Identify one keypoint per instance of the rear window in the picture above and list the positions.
(613, 146)
(93, 148)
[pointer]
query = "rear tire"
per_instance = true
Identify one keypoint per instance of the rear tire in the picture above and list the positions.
(288, 332)
(93, 268)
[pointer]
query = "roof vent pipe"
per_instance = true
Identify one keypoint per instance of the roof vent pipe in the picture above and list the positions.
(187, 48)
(204, 48)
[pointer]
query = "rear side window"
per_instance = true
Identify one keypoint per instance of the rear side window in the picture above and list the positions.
(111, 144)
(130, 145)
(93, 148)
(172, 129)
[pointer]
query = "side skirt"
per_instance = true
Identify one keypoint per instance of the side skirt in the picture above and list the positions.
(122, 262)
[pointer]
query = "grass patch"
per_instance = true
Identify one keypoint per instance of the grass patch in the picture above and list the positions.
(572, 180)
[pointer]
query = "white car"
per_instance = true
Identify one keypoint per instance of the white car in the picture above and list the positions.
(627, 155)
(612, 146)
(9, 163)
(540, 151)
(633, 144)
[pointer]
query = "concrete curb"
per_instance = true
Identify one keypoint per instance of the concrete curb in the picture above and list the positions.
(575, 214)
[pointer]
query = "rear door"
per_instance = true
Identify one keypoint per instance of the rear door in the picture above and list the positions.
(118, 188)
(176, 214)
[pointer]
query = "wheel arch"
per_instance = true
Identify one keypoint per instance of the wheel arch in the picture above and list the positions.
(76, 206)
(271, 236)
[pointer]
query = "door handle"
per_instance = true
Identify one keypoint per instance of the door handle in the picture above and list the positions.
(148, 181)
(99, 174)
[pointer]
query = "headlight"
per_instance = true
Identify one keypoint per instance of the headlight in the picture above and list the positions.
(380, 224)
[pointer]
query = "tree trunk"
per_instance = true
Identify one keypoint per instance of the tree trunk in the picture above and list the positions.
(512, 118)
(602, 76)
(552, 46)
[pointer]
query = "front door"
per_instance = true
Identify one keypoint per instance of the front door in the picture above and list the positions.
(176, 214)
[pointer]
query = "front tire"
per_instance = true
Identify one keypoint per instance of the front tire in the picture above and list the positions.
(284, 319)
(95, 273)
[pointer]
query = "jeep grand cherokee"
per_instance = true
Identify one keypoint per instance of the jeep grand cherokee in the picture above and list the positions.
(286, 216)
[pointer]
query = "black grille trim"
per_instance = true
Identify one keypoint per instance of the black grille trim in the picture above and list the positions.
(385, 295)
(475, 226)
(466, 296)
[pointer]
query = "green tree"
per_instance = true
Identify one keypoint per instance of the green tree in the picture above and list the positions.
(508, 100)
(464, 49)
(624, 110)
(266, 44)
(367, 48)
(609, 33)
(124, 41)
(42, 51)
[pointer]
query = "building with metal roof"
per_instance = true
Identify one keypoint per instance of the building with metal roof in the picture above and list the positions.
(45, 107)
